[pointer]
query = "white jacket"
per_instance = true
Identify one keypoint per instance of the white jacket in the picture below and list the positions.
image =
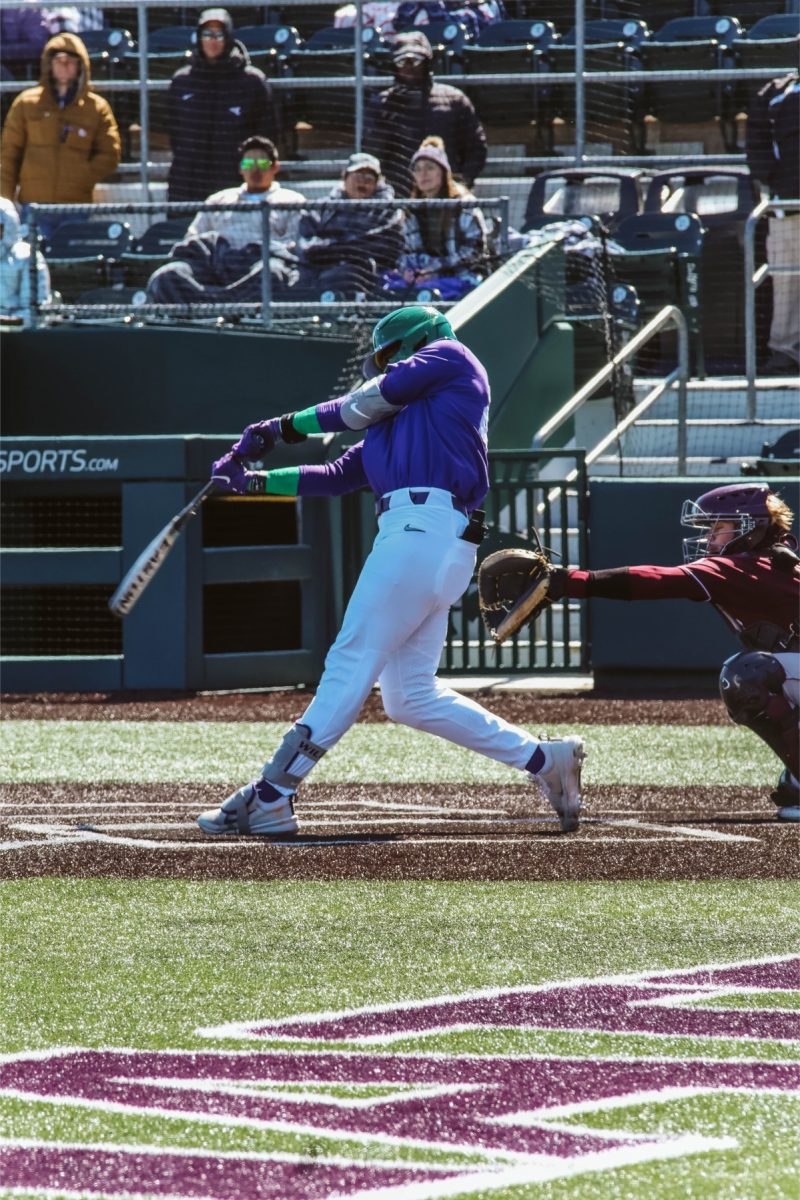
(15, 271)
(244, 228)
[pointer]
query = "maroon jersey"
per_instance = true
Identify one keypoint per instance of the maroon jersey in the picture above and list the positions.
(744, 588)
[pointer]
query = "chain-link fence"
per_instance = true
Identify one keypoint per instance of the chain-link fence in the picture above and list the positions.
(632, 117)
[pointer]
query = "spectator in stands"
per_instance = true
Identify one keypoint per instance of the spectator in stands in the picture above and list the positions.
(60, 138)
(221, 256)
(444, 249)
(397, 119)
(346, 249)
(773, 155)
(15, 269)
(212, 106)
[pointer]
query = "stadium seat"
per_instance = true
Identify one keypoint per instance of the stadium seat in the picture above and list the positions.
(692, 44)
(330, 51)
(269, 46)
(723, 198)
(508, 47)
(146, 254)
(774, 41)
(132, 297)
(448, 40)
(85, 254)
(662, 261)
(169, 49)
(781, 457)
(608, 195)
(632, 31)
(111, 52)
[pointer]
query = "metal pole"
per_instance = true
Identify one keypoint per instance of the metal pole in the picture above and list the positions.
(266, 274)
(683, 379)
(358, 34)
(144, 102)
(750, 304)
(505, 223)
(33, 263)
(580, 107)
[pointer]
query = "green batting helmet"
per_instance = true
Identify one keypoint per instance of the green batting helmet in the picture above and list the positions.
(401, 333)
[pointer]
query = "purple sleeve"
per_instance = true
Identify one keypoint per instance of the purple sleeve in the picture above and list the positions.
(418, 376)
(329, 415)
(344, 475)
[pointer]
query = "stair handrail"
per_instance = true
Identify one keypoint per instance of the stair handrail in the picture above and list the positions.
(669, 315)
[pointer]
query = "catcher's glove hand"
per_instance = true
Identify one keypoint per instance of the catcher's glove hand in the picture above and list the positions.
(513, 587)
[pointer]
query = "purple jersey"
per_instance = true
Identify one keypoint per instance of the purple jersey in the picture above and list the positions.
(438, 438)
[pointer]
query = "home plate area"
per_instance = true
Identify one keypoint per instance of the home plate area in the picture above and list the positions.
(413, 831)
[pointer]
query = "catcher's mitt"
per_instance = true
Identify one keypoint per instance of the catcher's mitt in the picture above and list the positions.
(513, 587)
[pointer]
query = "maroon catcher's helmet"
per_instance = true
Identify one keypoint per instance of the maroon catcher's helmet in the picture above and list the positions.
(743, 504)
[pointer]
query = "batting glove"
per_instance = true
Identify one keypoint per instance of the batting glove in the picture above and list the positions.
(229, 474)
(258, 439)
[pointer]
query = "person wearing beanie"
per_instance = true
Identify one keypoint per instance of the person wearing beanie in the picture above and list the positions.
(441, 242)
(397, 119)
(60, 138)
(213, 105)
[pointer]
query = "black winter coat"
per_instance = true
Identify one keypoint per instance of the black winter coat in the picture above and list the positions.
(332, 235)
(773, 137)
(212, 108)
(398, 119)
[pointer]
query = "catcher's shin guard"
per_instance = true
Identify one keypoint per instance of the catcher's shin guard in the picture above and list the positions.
(293, 759)
(751, 685)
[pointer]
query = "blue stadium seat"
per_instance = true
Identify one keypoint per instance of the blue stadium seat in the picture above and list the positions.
(774, 41)
(146, 254)
(662, 261)
(605, 194)
(692, 44)
(723, 198)
(269, 46)
(330, 51)
(83, 254)
(509, 47)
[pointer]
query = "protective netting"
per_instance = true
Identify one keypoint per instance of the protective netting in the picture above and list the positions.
(658, 148)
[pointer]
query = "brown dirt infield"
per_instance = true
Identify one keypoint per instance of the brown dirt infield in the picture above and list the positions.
(382, 833)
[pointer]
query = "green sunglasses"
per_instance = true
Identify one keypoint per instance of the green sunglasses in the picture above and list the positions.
(263, 164)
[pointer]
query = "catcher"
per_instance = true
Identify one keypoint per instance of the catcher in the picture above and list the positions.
(743, 562)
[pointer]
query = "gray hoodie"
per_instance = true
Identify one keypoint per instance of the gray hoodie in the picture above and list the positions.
(15, 275)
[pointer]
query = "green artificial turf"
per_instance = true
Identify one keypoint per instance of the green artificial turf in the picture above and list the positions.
(151, 752)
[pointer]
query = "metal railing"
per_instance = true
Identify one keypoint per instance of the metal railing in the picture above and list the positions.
(579, 81)
(267, 308)
(753, 278)
(518, 502)
(669, 315)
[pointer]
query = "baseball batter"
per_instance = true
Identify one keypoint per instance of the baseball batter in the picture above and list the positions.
(743, 562)
(424, 407)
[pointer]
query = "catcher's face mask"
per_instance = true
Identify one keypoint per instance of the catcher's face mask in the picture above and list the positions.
(733, 519)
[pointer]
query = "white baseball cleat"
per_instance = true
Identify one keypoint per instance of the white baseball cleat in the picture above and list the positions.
(250, 810)
(560, 779)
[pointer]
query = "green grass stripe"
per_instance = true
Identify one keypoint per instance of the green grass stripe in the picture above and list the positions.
(60, 1122)
(144, 963)
(137, 752)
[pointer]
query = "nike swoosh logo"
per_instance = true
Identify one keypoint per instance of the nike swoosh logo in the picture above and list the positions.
(412, 529)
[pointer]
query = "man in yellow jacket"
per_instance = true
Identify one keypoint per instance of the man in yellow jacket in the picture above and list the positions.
(60, 138)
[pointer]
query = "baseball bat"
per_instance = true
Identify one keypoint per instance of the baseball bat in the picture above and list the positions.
(150, 560)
